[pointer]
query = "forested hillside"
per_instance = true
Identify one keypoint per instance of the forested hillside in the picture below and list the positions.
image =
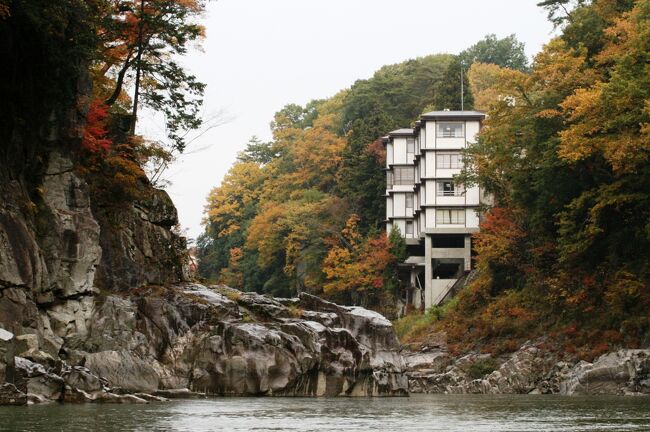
(305, 211)
(564, 252)
(565, 151)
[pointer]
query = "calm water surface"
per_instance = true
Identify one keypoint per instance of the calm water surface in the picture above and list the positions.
(418, 413)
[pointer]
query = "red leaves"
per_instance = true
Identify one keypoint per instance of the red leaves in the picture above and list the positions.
(94, 135)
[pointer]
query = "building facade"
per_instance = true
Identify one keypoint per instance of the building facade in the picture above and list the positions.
(435, 215)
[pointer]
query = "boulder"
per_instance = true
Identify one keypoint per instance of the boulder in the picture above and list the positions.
(10, 395)
(123, 369)
(34, 378)
(82, 378)
(7, 350)
(621, 372)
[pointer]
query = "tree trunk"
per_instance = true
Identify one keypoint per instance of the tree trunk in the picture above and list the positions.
(138, 70)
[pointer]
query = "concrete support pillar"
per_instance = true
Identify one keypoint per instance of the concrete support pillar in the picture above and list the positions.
(467, 253)
(428, 272)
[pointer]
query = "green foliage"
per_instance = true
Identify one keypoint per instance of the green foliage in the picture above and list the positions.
(448, 91)
(258, 152)
(414, 326)
(481, 367)
(400, 91)
(411, 326)
(397, 244)
(507, 52)
(361, 178)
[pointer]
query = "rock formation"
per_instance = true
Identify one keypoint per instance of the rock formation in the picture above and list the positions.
(531, 370)
(95, 307)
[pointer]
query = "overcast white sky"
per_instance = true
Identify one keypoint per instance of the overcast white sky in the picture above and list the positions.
(260, 55)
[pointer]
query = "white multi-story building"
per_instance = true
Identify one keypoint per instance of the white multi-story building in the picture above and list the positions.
(436, 215)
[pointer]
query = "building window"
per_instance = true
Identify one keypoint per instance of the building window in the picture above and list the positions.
(448, 161)
(449, 188)
(410, 148)
(404, 176)
(450, 216)
(451, 130)
(389, 179)
(409, 202)
(409, 227)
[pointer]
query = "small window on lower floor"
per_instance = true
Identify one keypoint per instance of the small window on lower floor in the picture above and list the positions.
(409, 227)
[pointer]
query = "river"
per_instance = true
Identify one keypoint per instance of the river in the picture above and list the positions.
(466, 413)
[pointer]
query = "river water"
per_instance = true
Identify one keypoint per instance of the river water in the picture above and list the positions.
(466, 413)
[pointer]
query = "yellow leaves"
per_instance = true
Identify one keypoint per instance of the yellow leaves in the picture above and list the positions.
(606, 118)
(583, 110)
(351, 231)
(628, 35)
(548, 114)
(239, 192)
(493, 85)
(288, 231)
(558, 70)
(311, 158)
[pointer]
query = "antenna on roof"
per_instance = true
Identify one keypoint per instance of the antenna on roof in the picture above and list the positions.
(462, 90)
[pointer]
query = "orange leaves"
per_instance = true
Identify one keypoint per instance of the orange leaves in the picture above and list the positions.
(94, 135)
(500, 237)
(559, 70)
(357, 265)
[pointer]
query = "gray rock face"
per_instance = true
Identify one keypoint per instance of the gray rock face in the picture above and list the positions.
(214, 341)
(532, 370)
(224, 342)
(71, 242)
(619, 372)
(138, 245)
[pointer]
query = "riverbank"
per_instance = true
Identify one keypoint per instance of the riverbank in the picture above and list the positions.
(530, 370)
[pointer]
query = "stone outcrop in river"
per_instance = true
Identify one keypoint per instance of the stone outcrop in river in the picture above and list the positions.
(216, 341)
(529, 370)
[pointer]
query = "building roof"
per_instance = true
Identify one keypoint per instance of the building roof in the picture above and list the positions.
(432, 115)
(401, 132)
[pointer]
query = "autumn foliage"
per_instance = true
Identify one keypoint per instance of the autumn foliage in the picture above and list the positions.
(356, 268)
(565, 152)
(95, 133)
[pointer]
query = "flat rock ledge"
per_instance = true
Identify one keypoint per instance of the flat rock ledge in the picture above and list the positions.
(530, 370)
(193, 341)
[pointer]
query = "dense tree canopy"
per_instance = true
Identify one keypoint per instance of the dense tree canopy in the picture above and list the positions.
(566, 153)
(283, 218)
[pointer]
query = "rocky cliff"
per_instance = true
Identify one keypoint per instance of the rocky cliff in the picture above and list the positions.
(210, 340)
(94, 306)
